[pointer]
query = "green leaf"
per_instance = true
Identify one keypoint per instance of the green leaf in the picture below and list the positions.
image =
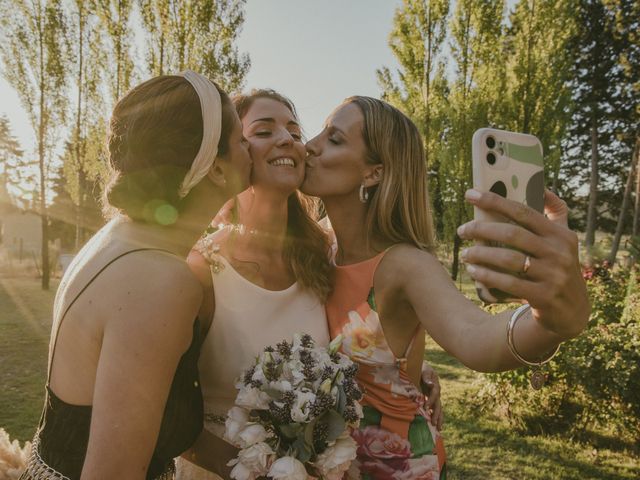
(291, 430)
(303, 452)
(341, 401)
(335, 424)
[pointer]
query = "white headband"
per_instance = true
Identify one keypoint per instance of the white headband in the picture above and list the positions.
(211, 105)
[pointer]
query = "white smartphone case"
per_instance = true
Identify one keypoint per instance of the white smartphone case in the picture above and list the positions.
(511, 165)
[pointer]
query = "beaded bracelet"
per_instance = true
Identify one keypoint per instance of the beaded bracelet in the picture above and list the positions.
(537, 378)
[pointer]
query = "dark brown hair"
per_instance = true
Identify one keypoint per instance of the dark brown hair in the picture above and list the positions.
(307, 245)
(155, 135)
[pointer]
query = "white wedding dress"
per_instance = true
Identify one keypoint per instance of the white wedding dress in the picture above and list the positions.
(247, 319)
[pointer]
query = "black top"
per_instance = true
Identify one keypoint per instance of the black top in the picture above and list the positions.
(64, 428)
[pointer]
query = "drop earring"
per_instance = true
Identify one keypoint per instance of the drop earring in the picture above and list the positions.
(364, 195)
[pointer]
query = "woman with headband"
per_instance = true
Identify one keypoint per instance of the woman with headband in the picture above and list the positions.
(122, 395)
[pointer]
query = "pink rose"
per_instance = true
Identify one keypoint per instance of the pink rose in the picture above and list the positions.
(377, 469)
(375, 442)
(423, 468)
(380, 449)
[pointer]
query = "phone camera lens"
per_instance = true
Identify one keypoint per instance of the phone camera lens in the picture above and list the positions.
(491, 158)
(491, 142)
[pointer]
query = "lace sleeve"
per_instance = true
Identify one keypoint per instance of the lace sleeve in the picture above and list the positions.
(208, 247)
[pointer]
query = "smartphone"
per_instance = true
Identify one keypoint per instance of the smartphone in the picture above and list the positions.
(511, 165)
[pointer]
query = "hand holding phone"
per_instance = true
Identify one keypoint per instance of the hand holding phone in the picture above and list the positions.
(511, 165)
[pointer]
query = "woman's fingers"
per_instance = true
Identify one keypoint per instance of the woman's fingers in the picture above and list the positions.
(556, 209)
(503, 259)
(503, 233)
(518, 212)
(518, 287)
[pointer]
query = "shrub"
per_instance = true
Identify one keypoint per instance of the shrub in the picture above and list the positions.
(594, 381)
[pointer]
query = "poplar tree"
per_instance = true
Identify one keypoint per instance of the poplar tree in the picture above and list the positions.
(115, 18)
(476, 38)
(416, 40)
(87, 65)
(538, 95)
(10, 164)
(199, 35)
(33, 53)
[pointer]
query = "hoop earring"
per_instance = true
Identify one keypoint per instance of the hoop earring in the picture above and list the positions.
(364, 195)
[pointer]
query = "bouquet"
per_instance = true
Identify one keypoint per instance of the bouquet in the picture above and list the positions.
(294, 413)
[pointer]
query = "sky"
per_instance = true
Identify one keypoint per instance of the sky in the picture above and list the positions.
(315, 52)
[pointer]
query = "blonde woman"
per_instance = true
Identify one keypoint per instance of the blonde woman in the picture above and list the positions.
(368, 168)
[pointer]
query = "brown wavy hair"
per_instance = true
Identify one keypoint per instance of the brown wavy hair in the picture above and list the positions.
(307, 245)
(155, 133)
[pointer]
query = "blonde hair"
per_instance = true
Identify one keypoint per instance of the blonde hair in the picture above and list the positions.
(307, 245)
(399, 206)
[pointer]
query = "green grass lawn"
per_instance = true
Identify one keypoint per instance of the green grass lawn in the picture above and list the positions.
(25, 324)
(479, 445)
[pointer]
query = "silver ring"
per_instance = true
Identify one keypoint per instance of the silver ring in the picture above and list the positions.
(527, 264)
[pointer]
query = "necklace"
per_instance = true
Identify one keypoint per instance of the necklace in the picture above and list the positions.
(242, 229)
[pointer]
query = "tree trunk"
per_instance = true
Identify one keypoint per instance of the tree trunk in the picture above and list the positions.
(457, 241)
(44, 250)
(79, 219)
(455, 263)
(593, 187)
(636, 208)
(623, 209)
(527, 94)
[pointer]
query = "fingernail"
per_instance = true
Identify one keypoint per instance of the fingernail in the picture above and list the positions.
(471, 269)
(472, 194)
(464, 254)
(461, 230)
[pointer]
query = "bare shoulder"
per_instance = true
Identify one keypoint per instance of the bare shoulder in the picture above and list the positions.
(152, 284)
(405, 259)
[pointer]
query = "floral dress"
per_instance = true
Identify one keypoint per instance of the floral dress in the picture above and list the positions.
(396, 439)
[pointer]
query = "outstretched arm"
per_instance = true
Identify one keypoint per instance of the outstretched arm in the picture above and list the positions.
(553, 286)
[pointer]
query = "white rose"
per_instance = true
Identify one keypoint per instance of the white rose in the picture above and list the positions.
(292, 371)
(288, 468)
(321, 356)
(256, 458)
(240, 471)
(253, 399)
(281, 386)
(302, 405)
(252, 434)
(358, 409)
(237, 419)
(335, 460)
(258, 375)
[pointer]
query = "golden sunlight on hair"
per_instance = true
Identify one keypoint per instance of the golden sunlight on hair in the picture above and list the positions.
(399, 209)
